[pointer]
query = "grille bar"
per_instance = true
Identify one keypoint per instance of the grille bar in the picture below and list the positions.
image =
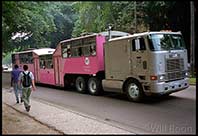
(174, 64)
(174, 75)
(174, 69)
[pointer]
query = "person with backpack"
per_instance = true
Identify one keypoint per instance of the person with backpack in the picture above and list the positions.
(14, 83)
(26, 79)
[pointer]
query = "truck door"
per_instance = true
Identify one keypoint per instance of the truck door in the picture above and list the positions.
(139, 58)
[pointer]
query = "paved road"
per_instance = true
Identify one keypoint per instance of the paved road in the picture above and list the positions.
(175, 114)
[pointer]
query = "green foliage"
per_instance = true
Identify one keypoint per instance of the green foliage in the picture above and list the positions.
(64, 17)
(192, 80)
(157, 14)
(92, 17)
(25, 17)
(47, 23)
(7, 59)
(96, 16)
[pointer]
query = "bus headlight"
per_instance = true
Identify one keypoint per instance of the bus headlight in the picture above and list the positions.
(187, 74)
(161, 78)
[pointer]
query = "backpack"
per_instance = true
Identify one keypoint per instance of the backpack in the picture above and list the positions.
(27, 81)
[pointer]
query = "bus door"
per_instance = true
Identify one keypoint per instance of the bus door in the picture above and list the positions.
(57, 70)
(139, 58)
(36, 68)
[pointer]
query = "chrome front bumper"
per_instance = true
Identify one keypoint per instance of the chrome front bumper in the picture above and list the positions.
(168, 87)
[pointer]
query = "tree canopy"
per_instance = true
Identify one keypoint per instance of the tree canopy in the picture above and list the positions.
(45, 24)
(42, 24)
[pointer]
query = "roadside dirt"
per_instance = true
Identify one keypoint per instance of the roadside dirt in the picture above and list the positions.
(14, 122)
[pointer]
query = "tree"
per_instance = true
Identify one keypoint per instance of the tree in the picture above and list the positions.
(63, 17)
(26, 17)
(92, 17)
(95, 16)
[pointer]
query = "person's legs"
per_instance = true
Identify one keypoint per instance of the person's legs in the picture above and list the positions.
(15, 87)
(26, 96)
(20, 92)
(24, 92)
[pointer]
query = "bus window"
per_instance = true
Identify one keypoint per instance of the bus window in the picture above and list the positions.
(133, 45)
(46, 61)
(42, 61)
(89, 45)
(26, 58)
(74, 52)
(66, 50)
(86, 51)
(79, 47)
(93, 50)
(51, 65)
(80, 51)
(76, 48)
(142, 44)
(138, 44)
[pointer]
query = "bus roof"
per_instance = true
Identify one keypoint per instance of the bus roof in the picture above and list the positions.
(77, 38)
(42, 51)
(113, 33)
(144, 33)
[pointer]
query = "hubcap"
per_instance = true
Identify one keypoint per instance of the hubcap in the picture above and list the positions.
(92, 86)
(80, 86)
(133, 90)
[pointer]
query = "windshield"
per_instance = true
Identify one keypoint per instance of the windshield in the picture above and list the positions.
(160, 42)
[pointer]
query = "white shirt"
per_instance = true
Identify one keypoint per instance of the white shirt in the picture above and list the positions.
(26, 72)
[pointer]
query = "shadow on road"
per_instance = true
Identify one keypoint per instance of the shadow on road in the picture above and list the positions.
(123, 97)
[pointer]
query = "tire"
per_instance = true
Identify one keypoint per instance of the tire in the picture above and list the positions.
(94, 86)
(80, 84)
(134, 91)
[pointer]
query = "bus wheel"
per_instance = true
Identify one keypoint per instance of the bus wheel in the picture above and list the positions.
(134, 90)
(80, 84)
(94, 86)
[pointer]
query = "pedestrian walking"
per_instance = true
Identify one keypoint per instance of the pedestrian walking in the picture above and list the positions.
(26, 79)
(14, 83)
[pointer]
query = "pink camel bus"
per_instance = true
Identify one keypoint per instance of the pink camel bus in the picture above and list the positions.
(39, 62)
(79, 61)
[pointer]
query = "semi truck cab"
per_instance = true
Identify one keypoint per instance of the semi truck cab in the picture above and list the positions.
(144, 64)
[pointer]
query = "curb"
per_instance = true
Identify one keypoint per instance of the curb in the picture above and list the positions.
(91, 125)
(45, 124)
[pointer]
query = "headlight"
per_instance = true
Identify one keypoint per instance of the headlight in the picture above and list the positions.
(186, 74)
(161, 78)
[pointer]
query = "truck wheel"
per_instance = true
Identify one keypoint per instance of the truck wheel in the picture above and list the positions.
(94, 86)
(80, 84)
(134, 90)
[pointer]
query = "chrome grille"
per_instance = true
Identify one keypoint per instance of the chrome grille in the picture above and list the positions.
(175, 75)
(174, 64)
(174, 69)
